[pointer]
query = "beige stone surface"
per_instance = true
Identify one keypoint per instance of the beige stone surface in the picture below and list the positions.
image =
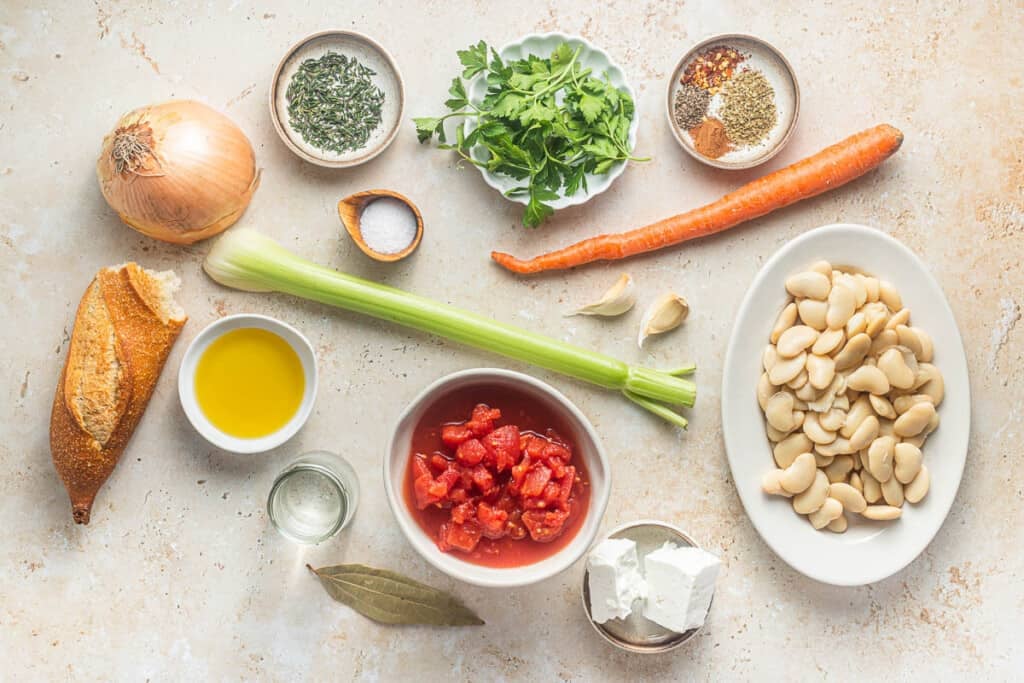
(179, 576)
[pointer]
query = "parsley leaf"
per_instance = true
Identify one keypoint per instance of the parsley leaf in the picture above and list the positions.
(547, 122)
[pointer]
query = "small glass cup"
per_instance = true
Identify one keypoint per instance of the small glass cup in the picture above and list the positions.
(314, 497)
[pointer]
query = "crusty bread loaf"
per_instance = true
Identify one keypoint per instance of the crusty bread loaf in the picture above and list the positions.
(126, 324)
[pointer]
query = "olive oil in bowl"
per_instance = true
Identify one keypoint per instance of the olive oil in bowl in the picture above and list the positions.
(249, 383)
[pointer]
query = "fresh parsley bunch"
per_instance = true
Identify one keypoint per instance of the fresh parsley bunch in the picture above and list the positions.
(546, 122)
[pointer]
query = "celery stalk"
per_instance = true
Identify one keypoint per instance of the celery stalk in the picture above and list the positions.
(244, 259)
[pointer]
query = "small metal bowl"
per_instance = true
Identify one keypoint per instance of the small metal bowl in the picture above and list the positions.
(387, 78)
(766, 58)
(635, 633)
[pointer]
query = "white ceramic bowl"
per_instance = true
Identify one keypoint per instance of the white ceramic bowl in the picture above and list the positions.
(582, 433)
(542, 45)
(868, 551)
(187, 392)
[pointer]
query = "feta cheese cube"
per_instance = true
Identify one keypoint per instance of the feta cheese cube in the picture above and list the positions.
(614, 579)
(680, 584)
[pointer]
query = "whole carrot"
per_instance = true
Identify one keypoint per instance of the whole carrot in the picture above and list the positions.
(830, 168)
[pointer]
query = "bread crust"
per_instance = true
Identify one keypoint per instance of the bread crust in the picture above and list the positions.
(96, 408)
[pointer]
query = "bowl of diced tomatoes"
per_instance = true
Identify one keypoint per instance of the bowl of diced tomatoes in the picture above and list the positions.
(496, 478)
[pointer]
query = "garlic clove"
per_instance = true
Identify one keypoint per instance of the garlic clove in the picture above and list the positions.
(665, 313)
(616, 301)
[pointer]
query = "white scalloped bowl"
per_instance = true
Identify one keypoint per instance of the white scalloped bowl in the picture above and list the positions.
(542, 45)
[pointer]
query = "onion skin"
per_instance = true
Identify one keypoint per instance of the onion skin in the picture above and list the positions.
(198, 180)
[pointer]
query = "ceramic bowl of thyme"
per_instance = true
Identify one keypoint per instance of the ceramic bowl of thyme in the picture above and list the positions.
(732, 101)
(337, 99)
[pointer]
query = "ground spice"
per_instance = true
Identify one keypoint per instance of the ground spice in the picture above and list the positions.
(748, 109)
(711, 68)
(691, 105)
(710, 139)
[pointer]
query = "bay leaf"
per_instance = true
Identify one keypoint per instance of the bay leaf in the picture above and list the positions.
(390, 598)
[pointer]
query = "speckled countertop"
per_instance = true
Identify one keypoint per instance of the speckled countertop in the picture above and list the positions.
(179, 576)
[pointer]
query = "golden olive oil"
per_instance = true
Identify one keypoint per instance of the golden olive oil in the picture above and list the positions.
(249, 383)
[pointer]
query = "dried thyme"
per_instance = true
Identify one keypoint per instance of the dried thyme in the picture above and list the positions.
(333, 103)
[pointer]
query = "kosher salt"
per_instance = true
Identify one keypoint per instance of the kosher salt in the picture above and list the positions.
(388, 225)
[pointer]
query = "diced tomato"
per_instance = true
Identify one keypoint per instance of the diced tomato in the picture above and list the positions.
(482, 479)
(492, 521)
(494, 483)
(536, 479)
(545, 525)
(470, 452)
(502, 447)
(420, 467)
(453, 435)
(482, 420)
(463, 512)
(464, 537)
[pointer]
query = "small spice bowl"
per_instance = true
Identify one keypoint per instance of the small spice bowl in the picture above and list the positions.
(762, 56)
(350, 211)
(635, 633)
(387, 78)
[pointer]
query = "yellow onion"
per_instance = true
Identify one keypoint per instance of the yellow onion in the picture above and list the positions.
(177, 171)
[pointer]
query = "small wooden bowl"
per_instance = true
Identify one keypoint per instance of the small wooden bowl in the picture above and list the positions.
(350, 211)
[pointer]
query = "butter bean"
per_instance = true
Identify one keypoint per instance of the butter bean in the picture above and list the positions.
(769, 357)
(876, 315)
(771, 484)
(809, 284)
(786, 369)
(889, 295)
(856, 324)
(865, 434)
(786, 320)
(902, 404)
(823, 267)
(857, 482)
(838, 525)
(927, 347)
(841, 306)
(850, 497)
(906, 462)
(813, 312)
(935, 387)
(828, 341)
(808, 393)
(814, 496)
(913, 422)
(820, 371)
(868, 378)
(830, 510)
(857, 413)
(832, 420)
(871, 284)
(840, 446)
(882, 513)
(822, 461)
(882, 407)
(775, 435)
(785, 451)
(795, 339)
(860, 292)
(839, 468)
(872, 489)
(916, 490)
(916, 440)
(800, 475)
(895, 368)
(842, 403)
(892, 492)
(884, 340)
(880, 455)
(779, 411)
(900, 317)
(798, 381)
(765, 390)
(853, 353)
(908, 337)
(815, 432)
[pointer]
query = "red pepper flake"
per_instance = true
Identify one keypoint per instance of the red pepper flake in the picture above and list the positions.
(711, 68)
